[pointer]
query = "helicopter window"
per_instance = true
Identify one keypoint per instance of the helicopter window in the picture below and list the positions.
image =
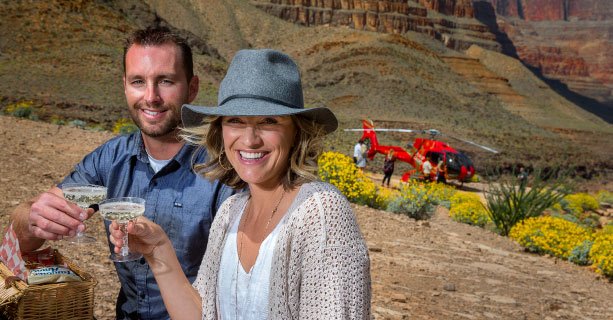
(434, 156)
(451, 158)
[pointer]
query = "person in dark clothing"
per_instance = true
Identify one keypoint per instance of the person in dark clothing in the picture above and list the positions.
(388, 167)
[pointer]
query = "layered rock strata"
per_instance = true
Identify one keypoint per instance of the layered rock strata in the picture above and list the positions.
(450, 21)
(565, 40)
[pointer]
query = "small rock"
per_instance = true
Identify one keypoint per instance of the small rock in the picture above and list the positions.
(423, 223)
(399, 297)
(449, 287)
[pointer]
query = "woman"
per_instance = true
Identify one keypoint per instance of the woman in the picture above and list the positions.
(388, 167)
(288, 247)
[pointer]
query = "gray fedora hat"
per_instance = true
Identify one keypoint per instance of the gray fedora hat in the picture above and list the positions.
(260, 83)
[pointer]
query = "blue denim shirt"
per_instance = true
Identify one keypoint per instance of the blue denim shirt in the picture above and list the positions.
(180, 201)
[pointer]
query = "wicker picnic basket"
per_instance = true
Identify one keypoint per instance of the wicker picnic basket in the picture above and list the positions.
(67, 300)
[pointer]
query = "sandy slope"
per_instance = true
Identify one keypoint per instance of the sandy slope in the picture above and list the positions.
(420, 270)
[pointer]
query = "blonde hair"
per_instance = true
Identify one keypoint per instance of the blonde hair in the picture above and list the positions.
(302, 162)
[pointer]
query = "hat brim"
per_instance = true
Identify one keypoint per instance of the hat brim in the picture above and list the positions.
(192, 115)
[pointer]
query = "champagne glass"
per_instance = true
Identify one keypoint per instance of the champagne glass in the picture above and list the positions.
(123, 210)
(85, 196)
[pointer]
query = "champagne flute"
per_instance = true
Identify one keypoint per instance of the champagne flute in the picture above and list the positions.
(85, 196)
(123, 210)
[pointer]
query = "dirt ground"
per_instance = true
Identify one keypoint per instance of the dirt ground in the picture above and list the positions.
(436, 269)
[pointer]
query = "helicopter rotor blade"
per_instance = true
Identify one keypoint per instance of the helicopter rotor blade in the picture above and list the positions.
(475, 144)
(384, 130)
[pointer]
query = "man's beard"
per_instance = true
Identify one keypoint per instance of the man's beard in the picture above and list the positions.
(169, 125)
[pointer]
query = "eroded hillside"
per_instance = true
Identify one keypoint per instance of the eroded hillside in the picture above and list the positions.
(65, 55)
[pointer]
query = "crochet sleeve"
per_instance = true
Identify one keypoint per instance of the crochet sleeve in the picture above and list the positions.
(335, 267)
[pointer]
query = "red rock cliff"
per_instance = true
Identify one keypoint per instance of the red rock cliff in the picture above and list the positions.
(567, 40)
(451, 21)
(554, 10)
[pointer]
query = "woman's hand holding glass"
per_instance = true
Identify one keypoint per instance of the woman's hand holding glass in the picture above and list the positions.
(144, 236)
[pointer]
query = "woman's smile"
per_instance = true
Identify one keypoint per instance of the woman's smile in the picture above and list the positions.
(259, 147)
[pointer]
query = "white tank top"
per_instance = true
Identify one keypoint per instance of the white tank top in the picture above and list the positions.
(247, 297)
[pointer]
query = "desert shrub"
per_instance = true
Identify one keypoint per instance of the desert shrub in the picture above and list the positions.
(510, 201)
(470, 212)
(549, 235)
(124, 126)
(440, 193)
(414, 200)
(601, 252)
(385, 196)
(339, 170)
(22, 109)
(578, 203)
(604, 196)
(581, 254)
(77, 123)
(57, 120)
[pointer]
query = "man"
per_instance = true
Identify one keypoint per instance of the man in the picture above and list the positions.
(359, 154)
(427, 169)
(153, 164)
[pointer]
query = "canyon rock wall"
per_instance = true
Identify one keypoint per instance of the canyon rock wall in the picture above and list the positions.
(565, 40)
(555, 10)
(450, 21)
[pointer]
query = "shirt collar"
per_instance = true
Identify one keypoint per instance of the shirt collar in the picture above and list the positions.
(183, 157)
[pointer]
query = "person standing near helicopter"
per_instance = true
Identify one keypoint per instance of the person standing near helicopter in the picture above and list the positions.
(359, 154)
(426, 168)
(441, 171)
(388, 167)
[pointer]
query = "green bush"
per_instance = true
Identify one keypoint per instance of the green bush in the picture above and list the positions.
(124, 126)
(605, 196)
(581, 254)
(415, 200)
(22, 109)
(510, 200)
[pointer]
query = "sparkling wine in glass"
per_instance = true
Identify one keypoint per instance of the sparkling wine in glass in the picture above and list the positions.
(85, 196)
(123, 210)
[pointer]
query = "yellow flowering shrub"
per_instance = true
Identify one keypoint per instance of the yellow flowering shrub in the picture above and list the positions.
(21, 109)
(124, 126)
(467, 208)
(551, 235)
(461, 197)
(578, 203)
(384, 196)
(601, 252)
(604, 196)
(440, 193)
(338, 169)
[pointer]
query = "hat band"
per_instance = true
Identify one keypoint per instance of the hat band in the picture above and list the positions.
(253, 96)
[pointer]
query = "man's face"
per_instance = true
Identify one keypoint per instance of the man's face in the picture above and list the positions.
(156, 87)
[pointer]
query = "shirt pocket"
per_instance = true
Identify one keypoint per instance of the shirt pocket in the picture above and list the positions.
(190, 222)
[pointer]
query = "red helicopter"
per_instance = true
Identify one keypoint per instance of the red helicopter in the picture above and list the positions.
(459, 166)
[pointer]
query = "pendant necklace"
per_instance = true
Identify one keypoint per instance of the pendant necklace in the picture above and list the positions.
(244, 218)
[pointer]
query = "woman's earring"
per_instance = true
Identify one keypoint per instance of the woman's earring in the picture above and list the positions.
(219, 160)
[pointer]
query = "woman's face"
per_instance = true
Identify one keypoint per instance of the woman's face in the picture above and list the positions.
(259, 147)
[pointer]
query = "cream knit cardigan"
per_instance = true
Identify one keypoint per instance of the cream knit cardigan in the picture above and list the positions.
(320, 269)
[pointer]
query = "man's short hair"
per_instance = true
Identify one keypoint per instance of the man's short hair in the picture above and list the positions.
(156, 36)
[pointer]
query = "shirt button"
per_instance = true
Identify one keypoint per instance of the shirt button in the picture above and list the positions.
(142, 261)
